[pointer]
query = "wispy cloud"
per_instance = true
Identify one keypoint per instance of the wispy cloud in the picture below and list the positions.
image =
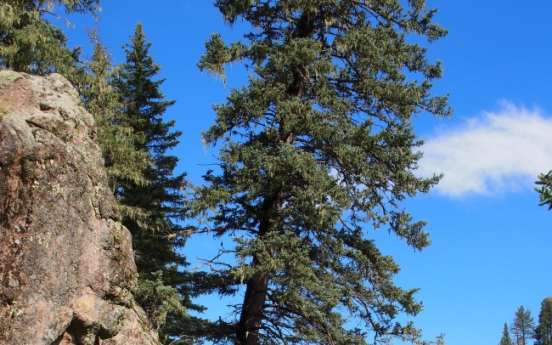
(497, 152)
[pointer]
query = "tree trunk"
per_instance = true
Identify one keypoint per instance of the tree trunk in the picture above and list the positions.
(252, 311)
(257, 287)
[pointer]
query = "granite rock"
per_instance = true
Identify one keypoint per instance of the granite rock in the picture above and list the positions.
(67, 273)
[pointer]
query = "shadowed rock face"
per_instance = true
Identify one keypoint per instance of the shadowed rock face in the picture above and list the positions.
(66, 266)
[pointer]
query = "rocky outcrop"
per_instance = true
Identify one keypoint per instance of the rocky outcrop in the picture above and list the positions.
(66, 265)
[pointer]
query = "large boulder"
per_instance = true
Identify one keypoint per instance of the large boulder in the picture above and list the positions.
(67, 272)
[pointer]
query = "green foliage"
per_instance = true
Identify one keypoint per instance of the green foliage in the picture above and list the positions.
(545, 191)
(30, 44)
(157, 236)
(523, 326)
(316, 152)
(543, 332)
(506, 339)
(158, 300)
(115, 133)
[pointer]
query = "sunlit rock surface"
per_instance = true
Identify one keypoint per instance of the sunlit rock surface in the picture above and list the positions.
(67, 272)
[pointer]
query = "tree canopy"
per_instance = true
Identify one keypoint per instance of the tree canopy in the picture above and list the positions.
(31, 44)
(523, 326)
(506, 339)
(317, 151)
(116, 136)
(157, 208)
(543, 331)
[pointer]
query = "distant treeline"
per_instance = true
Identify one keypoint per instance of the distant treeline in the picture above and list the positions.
(524, 329)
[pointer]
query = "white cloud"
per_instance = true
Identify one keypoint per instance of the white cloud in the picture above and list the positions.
(498, 152)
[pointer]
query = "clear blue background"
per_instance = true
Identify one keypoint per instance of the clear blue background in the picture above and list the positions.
(491, 252)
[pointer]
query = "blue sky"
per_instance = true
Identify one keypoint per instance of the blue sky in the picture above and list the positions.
(491, 241)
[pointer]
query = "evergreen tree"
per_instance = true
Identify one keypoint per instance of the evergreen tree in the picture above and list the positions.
(523, 326)
(506, 339)
(317, 151)
(29, 43)
(116, 137)
(156, 207)
(543, 332)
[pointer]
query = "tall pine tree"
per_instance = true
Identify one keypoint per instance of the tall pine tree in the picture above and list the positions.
(317, 152)
(506, 339)
(523, 326)
(116, 137)
(543, 332)
(154, 210)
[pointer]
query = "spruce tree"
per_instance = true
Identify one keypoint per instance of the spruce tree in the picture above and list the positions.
(115, 136)
(543, 332)
(523, 326)
(157, 208)
(317, 151)
(506, 339)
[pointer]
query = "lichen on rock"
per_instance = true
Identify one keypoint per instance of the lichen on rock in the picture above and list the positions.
(67, 273)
